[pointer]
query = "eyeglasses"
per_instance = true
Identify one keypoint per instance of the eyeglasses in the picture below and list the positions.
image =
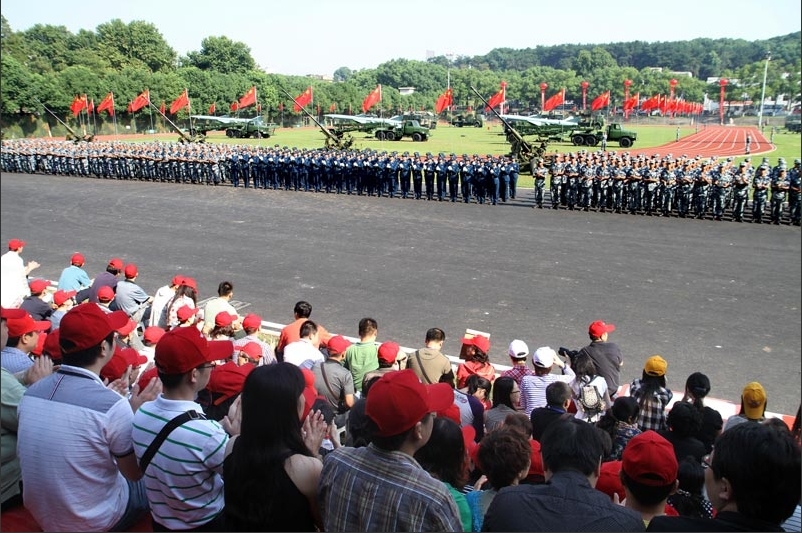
(205, 366)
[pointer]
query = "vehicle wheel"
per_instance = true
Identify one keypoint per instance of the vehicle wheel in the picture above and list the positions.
(477, 124)
(229, 133)
(390, 136)
(625, 142)
(578, 140)
(417, 137)
(257, 135)
(590, 140)
(380, 135)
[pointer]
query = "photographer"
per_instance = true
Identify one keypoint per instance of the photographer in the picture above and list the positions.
(605, 355)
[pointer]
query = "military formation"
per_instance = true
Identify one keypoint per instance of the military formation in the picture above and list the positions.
(602, 181)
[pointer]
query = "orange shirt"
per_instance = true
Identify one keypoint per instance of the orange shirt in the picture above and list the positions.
(292, 332)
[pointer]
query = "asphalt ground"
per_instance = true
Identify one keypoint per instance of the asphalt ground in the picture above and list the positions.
(717, 297)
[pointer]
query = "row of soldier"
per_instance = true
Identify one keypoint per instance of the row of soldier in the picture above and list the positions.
(602, 181)
(687, 187)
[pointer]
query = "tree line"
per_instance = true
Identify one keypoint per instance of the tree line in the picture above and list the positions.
(50, 64)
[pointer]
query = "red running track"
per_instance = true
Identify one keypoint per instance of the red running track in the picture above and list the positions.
(713, 141)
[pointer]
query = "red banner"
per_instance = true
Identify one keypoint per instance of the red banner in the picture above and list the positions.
(180, 103)
(373, 98)
(302, 100)
(555, 100)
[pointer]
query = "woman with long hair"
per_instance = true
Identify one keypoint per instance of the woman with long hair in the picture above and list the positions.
(272, 472)
(588, 375)
(479, 387)
(477, 361)
(652, 394)
(185, 294)
(697, 386)
(506, 394)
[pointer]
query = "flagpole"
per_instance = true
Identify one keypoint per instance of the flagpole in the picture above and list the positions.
(149, 110)
(94, 122)
(113, 115)
(189, 108)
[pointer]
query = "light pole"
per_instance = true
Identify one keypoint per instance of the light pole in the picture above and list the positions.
(763, 93)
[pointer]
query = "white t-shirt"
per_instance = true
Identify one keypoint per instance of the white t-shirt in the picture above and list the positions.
(13, 281)
(302, 354)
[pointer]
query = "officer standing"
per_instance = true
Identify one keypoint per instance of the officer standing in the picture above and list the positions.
(557, 172)
(540, 172)
(794, 193)
(779, 191)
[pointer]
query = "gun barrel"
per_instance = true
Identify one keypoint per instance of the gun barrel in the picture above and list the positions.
(524, 147)
(329, 134)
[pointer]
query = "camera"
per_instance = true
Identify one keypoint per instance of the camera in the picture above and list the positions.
(565, 352)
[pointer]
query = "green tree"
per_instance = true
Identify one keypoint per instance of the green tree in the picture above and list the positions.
(223, 55)
(137, 44)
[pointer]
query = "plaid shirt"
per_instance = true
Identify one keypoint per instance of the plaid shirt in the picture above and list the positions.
(369, 489)
(652, 410)
(517, 372)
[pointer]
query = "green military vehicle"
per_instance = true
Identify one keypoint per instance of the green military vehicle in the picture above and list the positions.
(395, 131)
(467, 120)
(592, 136)
(238, 128)
(793, 121)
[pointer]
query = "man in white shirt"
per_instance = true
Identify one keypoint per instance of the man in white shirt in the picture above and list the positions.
(303, 353)
(14, 275)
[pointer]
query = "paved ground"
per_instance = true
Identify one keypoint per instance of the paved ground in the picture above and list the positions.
(717, 297)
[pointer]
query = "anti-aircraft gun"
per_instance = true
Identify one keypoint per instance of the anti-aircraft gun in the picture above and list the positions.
(183, 137)
(520, 148)
(334, 141)
(71, 134)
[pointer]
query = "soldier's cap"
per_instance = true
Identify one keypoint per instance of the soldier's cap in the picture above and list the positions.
(742, 164)
(441, 154)
(797, 161)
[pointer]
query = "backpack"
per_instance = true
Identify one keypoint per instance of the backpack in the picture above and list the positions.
(590, 400)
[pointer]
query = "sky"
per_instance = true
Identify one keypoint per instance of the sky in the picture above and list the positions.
(320, 36)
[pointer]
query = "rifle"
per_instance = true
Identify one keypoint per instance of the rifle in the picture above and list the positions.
(521, 149)
(341, 142)
(71, 135)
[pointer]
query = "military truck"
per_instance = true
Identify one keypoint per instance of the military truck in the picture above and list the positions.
(467, 120)
(426, 119)
(396, 131)
(793, 121)
(592, 137)
(239, 128)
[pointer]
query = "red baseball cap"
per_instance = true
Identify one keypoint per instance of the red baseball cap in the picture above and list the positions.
(185, 312)
(650, 460)
(19, 326)
(145, 377)
(152, 334)
(40, 344)
(51, 347)
(609, 481)
(116, 263)
(252, 320)
(86, 325)
(77, 259)
(481, 342)
(252, 350)
(599, 328)
(227, 380)
(337, 345)
(12, 312)
(120, 361)
(177, 279)
(62, 296)
(15, 244)
(398, 401)
(105, 294)
(38, 285)
(130, 271)
(388, 351)
(189, 282)
(223, 319)
(127, 328)
(182, 349)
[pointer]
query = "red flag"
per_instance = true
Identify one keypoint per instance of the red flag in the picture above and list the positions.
(554, 100)
(234, 106)
(498, 98)
(649, 103)
(249, 98)
(78, 105)
(373, 98)
(632, 103)
(603, 100)
(332, 108)
(163, 108)
(303, 99)
(213, 108)
(91, 107)
(180, 103)
(444, 101)
(140, 101)
(107, 104)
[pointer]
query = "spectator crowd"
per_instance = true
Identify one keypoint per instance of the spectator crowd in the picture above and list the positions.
(117, 405)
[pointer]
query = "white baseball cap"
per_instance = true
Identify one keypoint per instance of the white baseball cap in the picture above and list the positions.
(544, 356)
(518, 349)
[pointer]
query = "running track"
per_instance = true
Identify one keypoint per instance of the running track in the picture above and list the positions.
(713, 141)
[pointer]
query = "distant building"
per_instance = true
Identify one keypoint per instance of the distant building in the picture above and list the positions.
(405, 91)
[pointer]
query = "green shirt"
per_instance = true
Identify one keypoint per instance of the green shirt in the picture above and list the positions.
(360, 358)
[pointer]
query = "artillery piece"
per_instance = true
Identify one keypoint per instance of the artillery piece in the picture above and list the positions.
(520, 148)
(334, 141)
(71, 134)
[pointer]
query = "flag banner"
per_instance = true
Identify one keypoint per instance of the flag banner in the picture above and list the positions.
(632, 103)
(302, 100)
(140, 101)
(163, 108)
(107, 105)
(249, 98)
(234, 106)
(444, 101)
(91, 107)
(555, 100)
(601, 101)
(213, 108)
(372, 98)
(78, 105)
(180, 103)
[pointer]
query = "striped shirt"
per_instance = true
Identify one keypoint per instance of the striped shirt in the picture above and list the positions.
(71, 427)
(533, 388)
(370, 489)
(184, 480)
